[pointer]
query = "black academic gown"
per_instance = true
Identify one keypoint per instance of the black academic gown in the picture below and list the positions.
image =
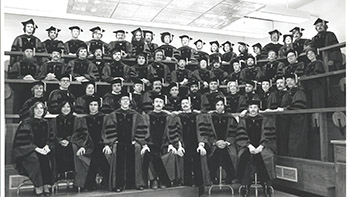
(315, 88)
(92, 45)
(235, 103)
(117, 69)
(51, 45)
(110, 102)
(84, 68)
(73, 45)
(208, 100)
(122, 45)
(57, 68)
(32, 133)
(100, 64)
(22, 68)
(24, 112)
(81, 104)
(56, 97)
(23, 41)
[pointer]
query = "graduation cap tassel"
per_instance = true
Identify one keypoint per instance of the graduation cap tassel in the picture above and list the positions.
(165, 99)
(44, 86)
(296, 78)
(143, 86)
(225, 100)
(130, 96)
(33, 52)
(101, 100)
(189, 99)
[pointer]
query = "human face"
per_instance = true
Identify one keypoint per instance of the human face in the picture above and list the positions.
(93, 107)
(216, 65)
(157, 86)
(242, 48)
(236, 67)
(275, 37)
(117, 56)
(214, 47)
(97, 35)
(311, 55)
(290, 82)
(257, 50)
(38, 90)
(320, 27)
(185, 41)
(248, 88)
(66, 109)
(227, 47)
(120, 36)
(98, 53)
(194, 88)
(280, 84)
(158, 56)
(90, 89)
(56, 56)
(253, 110)
(125, 102)
(265, 85)
(53, 35)
(271, 55)
(167, 39)
(203, 64)
(39, 110)
(213, 85)
(219, 106)
(28, 53)
(185, 105)
(29, 29)
(174, 91)
(141, 60)
(199, 45)
(233, 87)
(158, 104)
(182, 63)
(288, 40)
(296, 35)
(75, 33)
(148, 37)
(138, 87)
(64, 83)
(292, 58)
(250, 62)
(116, 87)
(82, 54)
(138, 36)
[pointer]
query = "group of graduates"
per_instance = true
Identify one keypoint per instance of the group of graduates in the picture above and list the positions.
(174, 127)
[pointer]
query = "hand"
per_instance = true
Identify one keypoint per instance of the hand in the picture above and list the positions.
(180, 150)
(219, 143)
(243, 113)
(144, 149)
(47, 149)
(40, 151)
(201, 149)
(280, 109)
(171, 149)
(184, 82)
(251, 149)
(205, 84)
(259, 149)
(168, 58)
(50, 76)
(64, 143)
(28, 77)
(222, 144)
(196, 111)
(80, 79)
(145, 81)
(81, 151)
(107, 150)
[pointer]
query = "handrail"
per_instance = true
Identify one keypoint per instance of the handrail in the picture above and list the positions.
(297, 111)
(339, 45)
(337, 72)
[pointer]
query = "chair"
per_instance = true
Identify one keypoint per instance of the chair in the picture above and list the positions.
(256, 185)
(220, 185)
(66, 180)
(26, 181)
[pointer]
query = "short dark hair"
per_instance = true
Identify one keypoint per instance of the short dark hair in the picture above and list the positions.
(62, 103)
(31, 109)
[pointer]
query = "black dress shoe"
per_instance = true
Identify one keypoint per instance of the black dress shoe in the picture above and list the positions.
(141, 188)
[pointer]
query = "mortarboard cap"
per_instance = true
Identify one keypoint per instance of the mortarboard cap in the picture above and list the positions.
(65, 75)
(30, 21)
(137, 80)
(76, 27)
(275, 31)
(228, 42)
(250, 82)
(160, 96)
(136, 30)
(185, 36)
(147, 31)
(120, 31)
(219, 98)
(116, 80)
(156, 79)
(257, 45)
(254, 102)
(299, 29)
(214, 42)
(199, 40)
(286, 35)
(172, 84)
(319, 20)
(52, 28)
(243, 43)
(87, 82)
(97, 28)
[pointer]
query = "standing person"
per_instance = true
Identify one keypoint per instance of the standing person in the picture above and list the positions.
(60, 94)
(243, 53)
(214, 49)
(161, 152)
(200, 54)
(73, 144)
(38, 91)
(51, 43)
(150, 47)
(74, 43)
(173, 103)
(252, 71)
(121, 44)
(268, 97)
(260, 151)
(99, 162)
(194, 96)
(186, 52)
(294, 66)
(158, 68)
(273, 68)
(258, 52)
(124, 134)
(82, 103)
(229, 55)
(325, 38)
(141, 68)
(26, 68)
(96, 42)
(53, 69)
(136, 95)
(33, 147)
(137, 42)
(298, 42)
(314, 89)
(27, 40)
(81, 68)
(166, 47)
(219, 133)
(274, 44)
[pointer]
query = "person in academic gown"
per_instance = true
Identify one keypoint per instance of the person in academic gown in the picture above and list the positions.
(96, 42)
(27, 40)
(149, 47)
(26, 68)
(257, 48)
(137, 42)
(299, 44)
(158, 68)
(147, 101)
(208, 98)
(288, 45)
(219, 133)
(234, 100)
(141, 68)
(137, 94)
(199, 53)
(294, 66)
(172, 101)
(60, 94)
(274, 44)
(75, 43)
(214, 49)
(99, 63)
(111, 99)
(82, 103)
(121, 44)
(99, 163)
(251, 71)
(81, 68)
(38, 91)
(73, 144)
(236, 71)
(52, 43)
(268, 97)
(53, 69)
(168, 49)
(202, 74)
(186, 52)
(258, 156)
(194, 95)
(229, 55)
(33, 148)
(181, 74)
(273, 68)
(124, 135)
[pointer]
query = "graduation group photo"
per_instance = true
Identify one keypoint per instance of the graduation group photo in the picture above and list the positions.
(188, 98)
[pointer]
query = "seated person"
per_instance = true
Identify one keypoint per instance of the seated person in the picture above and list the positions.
(186, 52)
(158, 69)
(173, 102)
(53, 69)
(268, 97)
(81, 68)
(96, 42)
(252, 71)
(288, 45)
(258, 156)
(111, 99)
(38, 91)
(168, 49)
(81, 103)
(181, 75)
(229, 55)
(214, 49)
(27, 68)
(234, 100)
(137, 42)
(203, 74)
(294, 66)
(141, 68)
(236, 73)
(218, 72)
(74, 44)
(208, 98)
(124, 46)
(52, 43)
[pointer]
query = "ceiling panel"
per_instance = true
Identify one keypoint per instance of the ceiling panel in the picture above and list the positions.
(180, 17)
(125, 10)
(101, 8)
(193, 5)
(146, 13)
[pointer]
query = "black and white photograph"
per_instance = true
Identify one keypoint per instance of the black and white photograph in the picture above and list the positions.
(178, 98)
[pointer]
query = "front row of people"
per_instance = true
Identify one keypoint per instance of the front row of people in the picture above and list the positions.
(129, 149)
